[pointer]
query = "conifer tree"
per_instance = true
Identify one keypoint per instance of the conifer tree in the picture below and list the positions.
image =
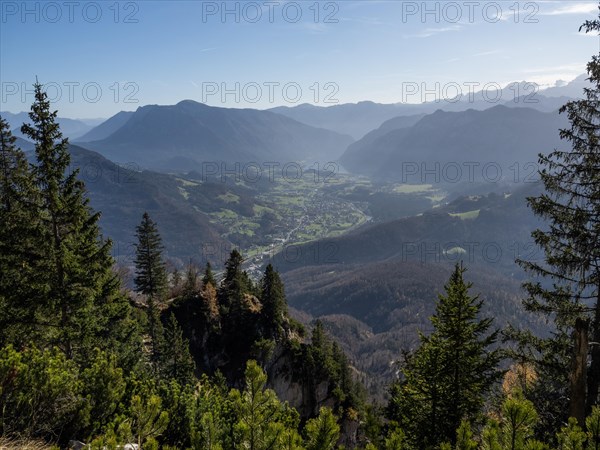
(322, 432)
(156, 332)
(151, 274)
(209, 276)
(176, 361)
(81, 288)
(274, 305)
(234, 286)
(445, 380)
(190, 287)
(148, 419)
(567, 287)
(259, 425)
(21, 299)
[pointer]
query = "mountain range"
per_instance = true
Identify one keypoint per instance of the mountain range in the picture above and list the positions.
(183, 136)
(373, 286)
(499, 136)
(71, 128)
(357, 119)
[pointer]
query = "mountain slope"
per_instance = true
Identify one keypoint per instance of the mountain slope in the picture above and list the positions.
(123, 194)
(354, 119)
(70, 128)
(106, 128)
(376, 288)
(499, 136)
(182, 136)
(357, 119)
(477, 224)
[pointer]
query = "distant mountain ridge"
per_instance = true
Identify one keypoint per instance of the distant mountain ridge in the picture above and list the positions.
(71, 128)
(106, 128)
(500, 136)
(123, 193)
(183, 136)
(358, 119)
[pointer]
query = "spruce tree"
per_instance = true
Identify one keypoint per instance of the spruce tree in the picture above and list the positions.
(567, 287)
(238, 307)
(81, 289)
(447, 377)
(176, 361)
(233, 286)
(151, 274)
(156, 333)
(21, 299)
(274, 305)
(208, 276)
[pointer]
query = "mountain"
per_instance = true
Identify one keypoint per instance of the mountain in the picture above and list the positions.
(123, 193)
(183, 136)
(572, 89)
(70, 128)
(397, 123)
(498, 136)
(471, 226)
(354, 119)
(357, 119)
(106, 128)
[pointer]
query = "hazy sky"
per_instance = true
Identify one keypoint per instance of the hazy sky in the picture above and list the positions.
(98, 58)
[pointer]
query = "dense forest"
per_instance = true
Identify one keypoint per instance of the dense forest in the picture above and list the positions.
(212, 360)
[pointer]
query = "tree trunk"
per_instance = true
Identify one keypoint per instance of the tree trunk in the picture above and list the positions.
(577, 403)
(593, 379)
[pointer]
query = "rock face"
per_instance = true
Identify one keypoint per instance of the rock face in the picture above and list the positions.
(305, 396)
(219, 345)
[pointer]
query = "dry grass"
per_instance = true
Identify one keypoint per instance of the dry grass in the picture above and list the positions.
(15, 444)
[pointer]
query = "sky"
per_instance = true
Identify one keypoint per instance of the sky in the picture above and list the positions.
(97, 58)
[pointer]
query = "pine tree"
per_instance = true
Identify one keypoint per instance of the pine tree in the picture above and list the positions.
(259, 425)
(274, 305)
(568, 284)
(445, 380)
(151, 274)
(176, 361)
(86, 307)
(322, 432)
(148, 419)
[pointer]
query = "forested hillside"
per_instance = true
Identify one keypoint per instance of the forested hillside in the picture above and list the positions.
(461, 322)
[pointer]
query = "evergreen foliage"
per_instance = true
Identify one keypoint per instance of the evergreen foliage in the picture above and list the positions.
(150, 274)
(445, 380)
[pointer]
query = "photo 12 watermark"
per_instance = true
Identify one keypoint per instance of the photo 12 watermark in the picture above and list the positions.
(469, 12)
(272, 92)
(71, 91)
(270, 12)
(469, 92)
(491, 252)
(318, 252)
(269, 171)
(69, 12)
(423, 172)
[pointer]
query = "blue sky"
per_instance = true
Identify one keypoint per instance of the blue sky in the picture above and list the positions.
(102, 57)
